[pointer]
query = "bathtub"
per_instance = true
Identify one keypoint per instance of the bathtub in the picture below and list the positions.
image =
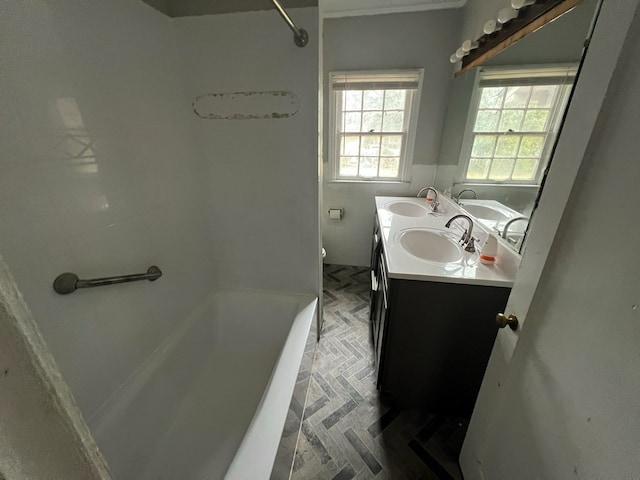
(211, 401)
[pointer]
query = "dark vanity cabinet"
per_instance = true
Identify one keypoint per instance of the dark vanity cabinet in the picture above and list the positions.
(432, 340)
(378, 300)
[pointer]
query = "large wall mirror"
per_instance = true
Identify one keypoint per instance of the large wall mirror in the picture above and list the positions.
(502, 122)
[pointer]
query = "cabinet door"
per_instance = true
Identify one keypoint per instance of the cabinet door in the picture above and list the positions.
(437, 341)
(382, 320)
(376, 305)
(376, 243)
(375, 321)
(382, 307)
(373, 296)
(376, 247)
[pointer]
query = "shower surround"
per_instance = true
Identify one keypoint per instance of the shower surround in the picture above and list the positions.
(106, 170)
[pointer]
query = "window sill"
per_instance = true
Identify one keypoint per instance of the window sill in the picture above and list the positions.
(497, 184)
(368, 182)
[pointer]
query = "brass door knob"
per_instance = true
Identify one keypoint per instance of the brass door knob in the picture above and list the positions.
(503, 321)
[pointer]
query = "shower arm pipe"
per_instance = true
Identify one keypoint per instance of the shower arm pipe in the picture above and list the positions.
(300, 35)
(69, 282)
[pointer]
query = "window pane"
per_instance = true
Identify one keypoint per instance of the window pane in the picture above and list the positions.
(370, 145)
(525, 169)
(373, 99)
(350, 145)
(483, 145)
(531, 146)
(389, 167)
(364, 150)
(487, 121)
(507, 146)
(542, 96)
(393, 122)
(511, 120)
(517, 97)
(478, 168)
(352, 122)
(353, 100)
(369, 167)
(348, 166)
(371, 121)
(501, 168)
(502, 148)
(391, 145)
(394, 99)
(492, 97)
(535, 121)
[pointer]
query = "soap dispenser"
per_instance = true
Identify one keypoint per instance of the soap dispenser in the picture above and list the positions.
(489, 250)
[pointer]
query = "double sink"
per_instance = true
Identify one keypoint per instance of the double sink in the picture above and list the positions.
(418, 246)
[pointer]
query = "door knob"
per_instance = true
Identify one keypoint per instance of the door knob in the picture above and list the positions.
(503, 321)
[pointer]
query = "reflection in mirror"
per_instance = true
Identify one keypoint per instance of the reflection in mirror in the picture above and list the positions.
(502, 121)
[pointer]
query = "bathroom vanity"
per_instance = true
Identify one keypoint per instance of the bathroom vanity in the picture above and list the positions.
(433, 306)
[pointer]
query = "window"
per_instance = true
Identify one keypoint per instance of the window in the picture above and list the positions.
(513, 122)
(374, 116)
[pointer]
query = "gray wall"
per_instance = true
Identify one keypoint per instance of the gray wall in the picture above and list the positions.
(261, 173)
(411, 40)
(476, 13)
(406, 40)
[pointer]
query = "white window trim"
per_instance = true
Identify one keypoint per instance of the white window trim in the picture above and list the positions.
(467, 142)
(406, 160)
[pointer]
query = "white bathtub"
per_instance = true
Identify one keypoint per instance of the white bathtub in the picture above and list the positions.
(211, 402)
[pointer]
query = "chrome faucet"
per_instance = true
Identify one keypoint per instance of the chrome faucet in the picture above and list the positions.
(508, 224)
(467, 239)
(465, 190)
(434, 204)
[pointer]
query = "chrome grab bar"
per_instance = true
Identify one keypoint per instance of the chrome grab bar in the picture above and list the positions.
(300, 35)
(69, 282)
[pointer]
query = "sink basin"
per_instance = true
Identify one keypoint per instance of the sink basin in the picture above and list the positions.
(430, 245)
(406, 209)
(485, 212)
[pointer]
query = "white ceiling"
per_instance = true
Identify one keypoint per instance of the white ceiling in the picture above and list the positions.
(348, 8)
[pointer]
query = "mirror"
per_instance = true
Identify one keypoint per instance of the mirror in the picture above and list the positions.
(502, 120)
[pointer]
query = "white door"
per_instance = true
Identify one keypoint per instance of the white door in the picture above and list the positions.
(501, 441)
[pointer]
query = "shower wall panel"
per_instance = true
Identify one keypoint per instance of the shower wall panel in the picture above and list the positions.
(262, 162)
(99, 176)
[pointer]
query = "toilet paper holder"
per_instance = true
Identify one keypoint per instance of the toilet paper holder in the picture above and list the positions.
(336, 213)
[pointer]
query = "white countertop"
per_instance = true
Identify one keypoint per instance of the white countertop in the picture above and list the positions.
(467, 270)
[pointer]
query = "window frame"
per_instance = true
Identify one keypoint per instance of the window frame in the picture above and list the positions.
(411, 110)
(556, 112)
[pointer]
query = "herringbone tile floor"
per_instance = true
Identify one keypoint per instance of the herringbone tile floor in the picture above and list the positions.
(348, 432)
